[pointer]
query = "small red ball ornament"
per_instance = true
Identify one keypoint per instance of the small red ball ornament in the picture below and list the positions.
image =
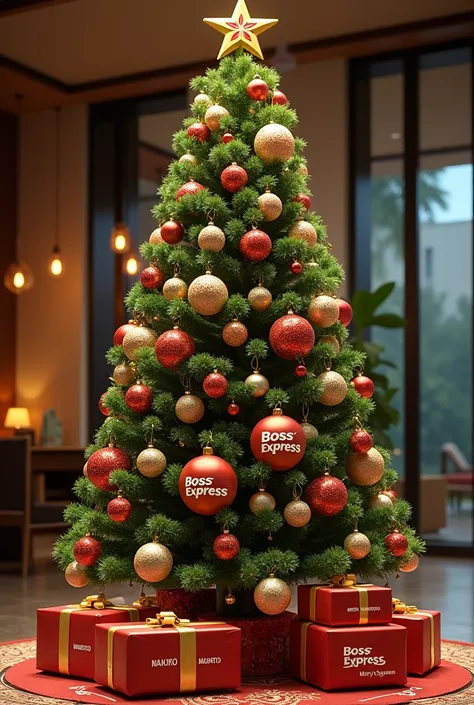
(255, 245)
(102, 406)
(87, 550)
(172, 232)
(296, 267)
(215, 385)
(174, 347)
(279, 98)
(392, 494)
(396, 543)
(257, 89)
(291, 337)
(301, 371)
(121, 332)
(227, 137)
(326, 495)
(103, 462)
(207, 483)
(119, 509)
(304, 199)
(278, 440)
(345, 312)
(199, 131)
(364, 386)
(226, 546)
(189, 189)
(152, 278)
(233, 178)
(233, 409)
(361, 441)
(138, 398)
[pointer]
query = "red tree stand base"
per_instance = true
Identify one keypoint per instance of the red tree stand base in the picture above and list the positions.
(187, 605)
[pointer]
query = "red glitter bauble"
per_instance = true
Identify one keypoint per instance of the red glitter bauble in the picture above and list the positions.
(301, 371)
(174, 347)
(102, 406)
(392, 494)
(103, 462)
(233, 409)
(257, 89)
(87, 550)
(189, 189)
(138, 398)
(199, 131)
(279, 98)
(119, 509)
(327, 496)
(207, 484)
(279, 441)
(228, 137)
(172, 232)
(215, 385)
(395, 542)
(152, 278)
(364, 386)
(121, 332)
(345, 312)
(304, 200)
(226, 546)
(255, 245)
(291, 337)
(361, 441)
(296, 267)
(233, 178)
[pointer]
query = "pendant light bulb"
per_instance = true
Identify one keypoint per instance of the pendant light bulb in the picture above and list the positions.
(18, 278)
(56, 264)
(120, 239)
(131, 266)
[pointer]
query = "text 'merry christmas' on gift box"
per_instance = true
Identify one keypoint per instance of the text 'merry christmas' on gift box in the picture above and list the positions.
(65, 638)
(423, 637)
(346, 604)
(168, 655)
(348, 657)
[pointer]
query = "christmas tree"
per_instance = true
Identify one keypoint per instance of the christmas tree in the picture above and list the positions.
(236, 450)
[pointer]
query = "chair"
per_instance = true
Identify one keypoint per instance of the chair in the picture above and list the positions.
(460, 482)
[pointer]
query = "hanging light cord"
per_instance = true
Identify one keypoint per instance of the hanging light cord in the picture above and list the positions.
(58, 175)
(19, 99)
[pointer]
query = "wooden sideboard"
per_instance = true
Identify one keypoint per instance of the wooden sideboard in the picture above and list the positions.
(46, 460)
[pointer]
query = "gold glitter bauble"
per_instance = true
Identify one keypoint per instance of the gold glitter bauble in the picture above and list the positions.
(190, 159)
(202, 99)
(272, 595)
(365, 469)
(138, 337)
(381, 501)
(151, 462)
(323, 311)
(262, 501)
(270, 205)
(189, 408)
(331, 340)
(274, 143)
(235, 334)
(262, 385)
(260, 298)
(302, 230)
(357, 545)
(230, 599)
(214, 115)
(208, 295)
(310, 431)
(84, 470)
(155, 238)
(76, 575)
(153, 562)
(175, 288)
(124, 374)
(334, 388)
(211, 238)
(297, 513)
(410, 565)
(303, 170)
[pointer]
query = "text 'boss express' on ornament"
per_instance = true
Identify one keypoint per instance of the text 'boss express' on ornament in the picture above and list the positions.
(207, 484)
(278, 440)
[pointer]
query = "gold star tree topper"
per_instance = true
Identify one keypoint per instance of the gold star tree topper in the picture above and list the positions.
(240, 30)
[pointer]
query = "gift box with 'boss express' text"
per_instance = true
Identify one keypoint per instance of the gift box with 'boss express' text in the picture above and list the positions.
(423, 637)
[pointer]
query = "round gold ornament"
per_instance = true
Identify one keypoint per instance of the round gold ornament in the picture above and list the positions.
(303, 170)
(270, 205)
(76, 575)
(202, 99)
(84, 469)
(261, 383)
(331, 340)
(260, 298)
(302, 230)
(410, 565)
(262, 501)
(230, 599)
(297, 513)
(310, 431)
(365, 469)
(235, 334)
(155, 238)
(190, 159)
(211, 238)
(274, 143)
(381, 501)
(272, 595)
(151, 462)
(189, 408)
(214, 115)
(124, 374)
(175, 288)
(357, 545)
(138, 337)
(334, 388)
(323, 311)
(208, 294)
(153, 562)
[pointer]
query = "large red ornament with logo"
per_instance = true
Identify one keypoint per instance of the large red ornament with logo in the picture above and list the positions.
(174, 347)
(103, 462)
(278, 440)
(291, 337)
(191, 188)
(255, 245)
(138, 398)
(207, 484)
(326, 495)
(199, 131)
(345, 312)
(233, 178)
(121, 332)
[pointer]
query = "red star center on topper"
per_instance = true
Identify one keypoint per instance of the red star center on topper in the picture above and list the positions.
(240, 30)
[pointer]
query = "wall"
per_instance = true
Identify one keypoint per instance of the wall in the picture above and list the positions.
(52, 316)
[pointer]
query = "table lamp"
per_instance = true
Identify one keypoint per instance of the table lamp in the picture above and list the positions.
(17, 418)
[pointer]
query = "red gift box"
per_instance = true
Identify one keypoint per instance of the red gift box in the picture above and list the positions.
(167, 655)
(65, 635)
(423, 639)
(348, 657)
(339, 606)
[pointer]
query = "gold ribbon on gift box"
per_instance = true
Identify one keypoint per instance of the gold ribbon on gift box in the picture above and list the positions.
(343, 581)
(399, 607)
(145, 601)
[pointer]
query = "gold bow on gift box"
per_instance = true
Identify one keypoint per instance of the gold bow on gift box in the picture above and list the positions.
(399, 607)
(167, 619)
(145, 601)
(95, 602)
(346, 581)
